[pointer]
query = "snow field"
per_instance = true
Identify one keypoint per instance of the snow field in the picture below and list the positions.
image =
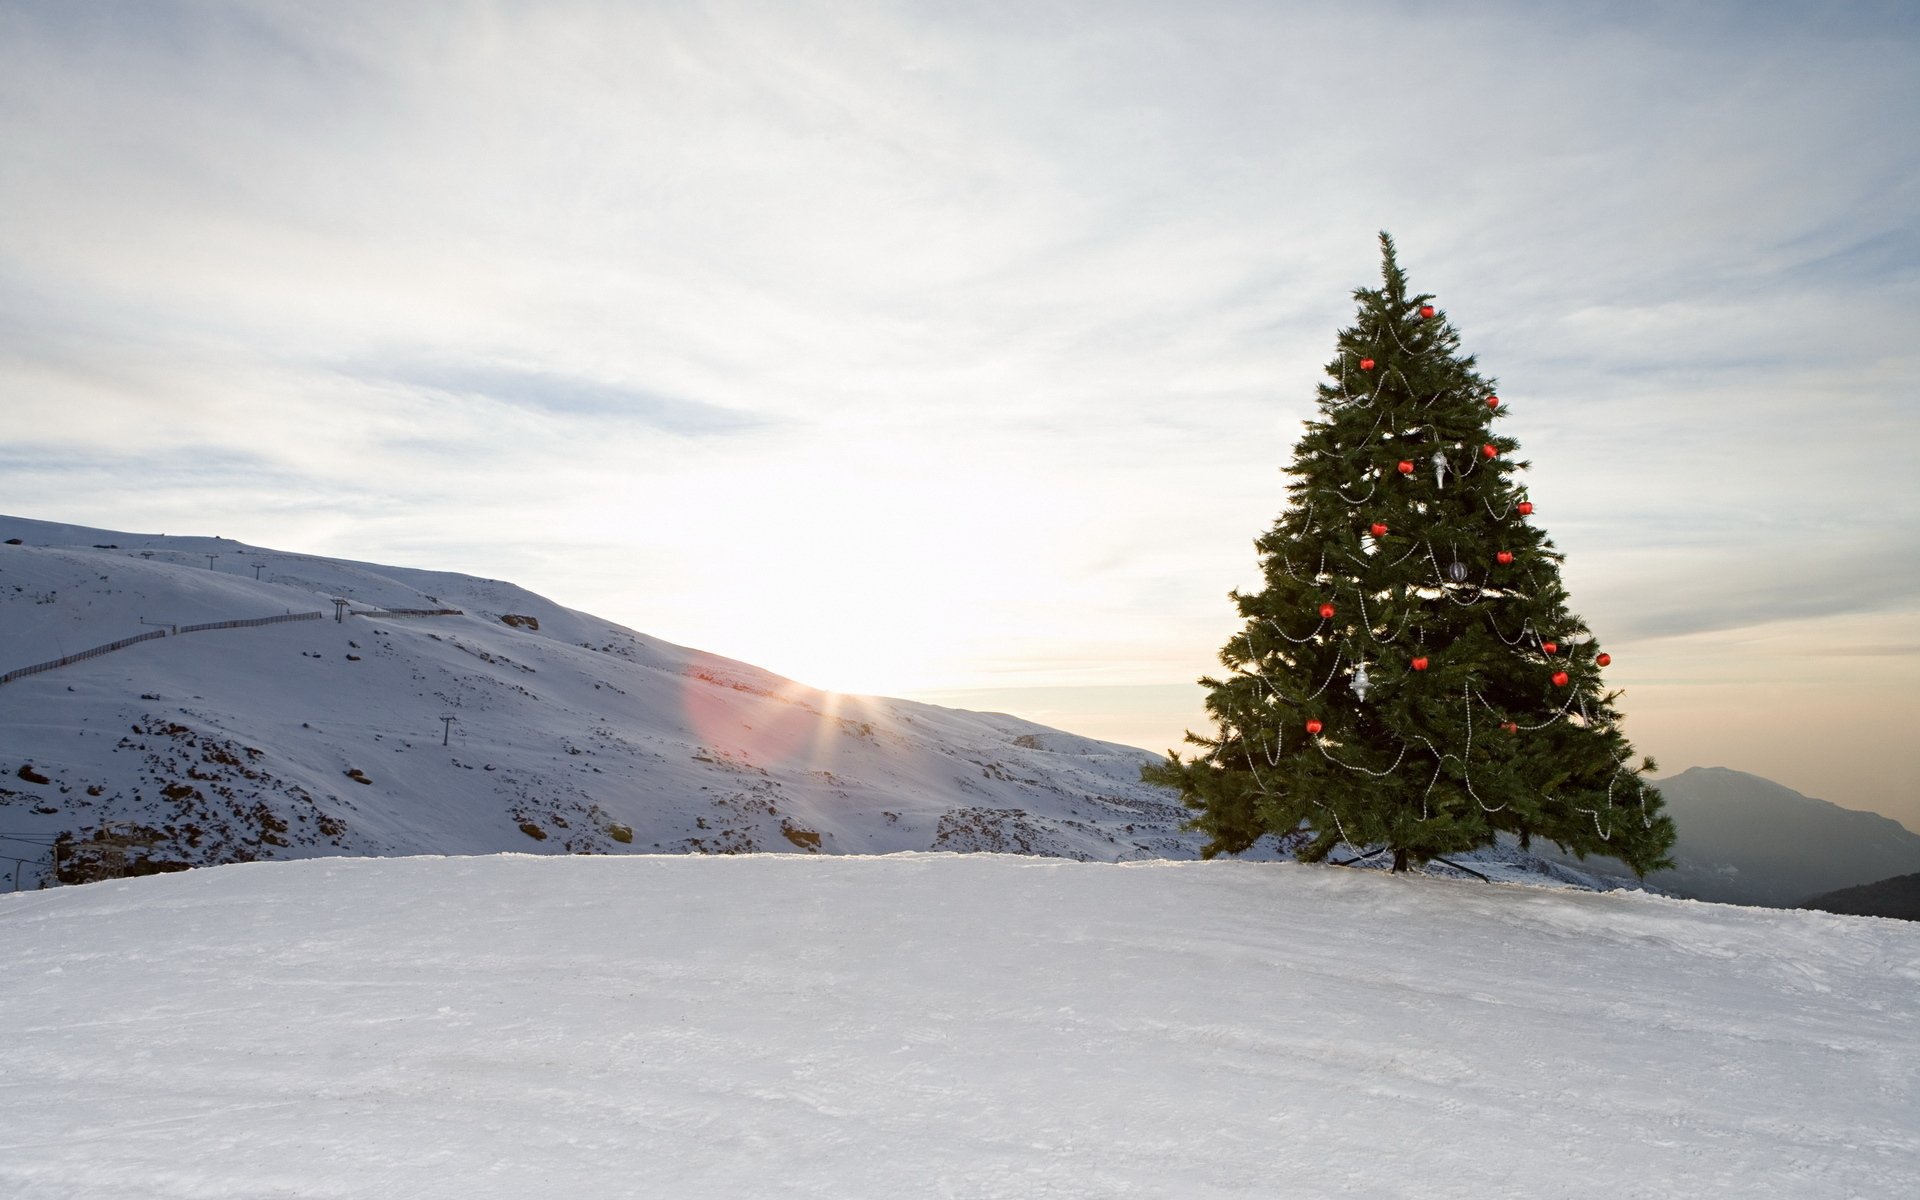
(934, 1025)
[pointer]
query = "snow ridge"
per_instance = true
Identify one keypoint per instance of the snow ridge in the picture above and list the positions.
(569, 734)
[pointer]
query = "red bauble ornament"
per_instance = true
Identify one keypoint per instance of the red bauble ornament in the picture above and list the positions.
(1510, 727)
(1404, 467)
(1490, 450)
(1505, 557)
(1493, 402)
(1549, 647)
(1426, 310)
(1366, 364)
(1314, 727)
(1378, 530)
(1604, 659)
(1419, 664)
(1326, 610)
(1560, 679)
(1525, 507)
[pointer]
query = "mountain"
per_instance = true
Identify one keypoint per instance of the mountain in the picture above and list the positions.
(1897, 897)
(707, 1028)
(1748, 840)
(316, 736)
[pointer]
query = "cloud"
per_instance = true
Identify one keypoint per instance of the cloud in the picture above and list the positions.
(1875, 650)
(1720, 591)
(569, 396)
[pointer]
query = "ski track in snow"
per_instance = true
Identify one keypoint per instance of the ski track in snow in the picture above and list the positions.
(938, 1025)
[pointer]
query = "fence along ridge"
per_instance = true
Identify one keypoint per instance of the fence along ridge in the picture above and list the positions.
(249, 622)
(67, 660)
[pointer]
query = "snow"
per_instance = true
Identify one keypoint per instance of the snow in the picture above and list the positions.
(577, 729)
(940, 1025)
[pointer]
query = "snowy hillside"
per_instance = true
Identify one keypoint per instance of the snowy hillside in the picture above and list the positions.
(571, 734)
(916, 1025)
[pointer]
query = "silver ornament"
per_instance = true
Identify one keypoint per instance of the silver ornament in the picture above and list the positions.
(1360, 681)
(1439, 469)
(1457, 572)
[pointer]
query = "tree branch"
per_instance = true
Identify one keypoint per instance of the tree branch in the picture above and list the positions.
(1456, 866)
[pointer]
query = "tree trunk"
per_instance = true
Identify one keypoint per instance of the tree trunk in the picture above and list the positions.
(1399, 860)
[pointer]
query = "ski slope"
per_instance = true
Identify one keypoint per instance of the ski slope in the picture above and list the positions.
(941, 1026)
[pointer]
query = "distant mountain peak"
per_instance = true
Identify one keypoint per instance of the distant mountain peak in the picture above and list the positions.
(1746, 839)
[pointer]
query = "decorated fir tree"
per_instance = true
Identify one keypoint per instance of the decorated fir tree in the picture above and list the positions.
(1410, 681)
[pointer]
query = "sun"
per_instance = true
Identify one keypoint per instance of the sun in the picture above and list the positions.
(868, 644)
(863, 568)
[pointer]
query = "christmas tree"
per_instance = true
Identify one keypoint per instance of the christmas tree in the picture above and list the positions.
(1409, 681)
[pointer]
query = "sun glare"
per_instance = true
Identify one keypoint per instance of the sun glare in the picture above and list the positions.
(871, 567)
(872, 645)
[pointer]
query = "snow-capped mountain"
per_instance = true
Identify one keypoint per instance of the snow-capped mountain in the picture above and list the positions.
(322, 733)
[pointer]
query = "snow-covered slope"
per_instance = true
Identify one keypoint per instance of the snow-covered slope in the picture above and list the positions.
(570, 734)
(969, 1026)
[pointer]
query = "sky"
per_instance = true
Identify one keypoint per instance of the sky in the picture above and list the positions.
(952, 351)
